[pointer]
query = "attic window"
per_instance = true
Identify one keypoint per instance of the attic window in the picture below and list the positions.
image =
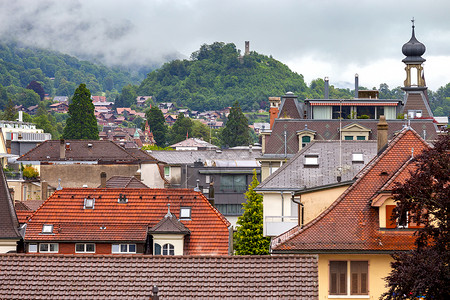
(357, 157)
(122, 199)
(185, 213)
(311, 160)
(47, 228)
(89, 203)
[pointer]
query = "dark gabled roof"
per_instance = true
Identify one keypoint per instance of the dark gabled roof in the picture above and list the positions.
(351, 223)
(28, 276)
(417, 100)
(9, 225)
(329, 130)
(85, 150)
(290, 108)
(128, 182)
(294, 175)
(169, 224)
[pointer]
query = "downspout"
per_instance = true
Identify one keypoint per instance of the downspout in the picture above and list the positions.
(300, 204)
(282, 206)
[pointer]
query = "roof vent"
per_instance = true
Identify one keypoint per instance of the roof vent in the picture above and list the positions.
(67, 146)
(122, 199)
(89, 145)
(85, 185)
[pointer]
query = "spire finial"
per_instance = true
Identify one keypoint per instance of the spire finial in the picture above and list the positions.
(169, 214)
(412, 21)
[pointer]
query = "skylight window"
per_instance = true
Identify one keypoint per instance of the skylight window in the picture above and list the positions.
(185, 213)
(122, 198)
(311, 160)
(47, 229)
(89, 203)
(357, 157)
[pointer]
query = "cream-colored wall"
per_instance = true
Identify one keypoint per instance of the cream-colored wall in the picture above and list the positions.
(272, 206)
(33, 191)
(177, 240)
(267, 166)
(151, 176)
(316, 202)
(379, 268)
(8, 245)
(382, 212)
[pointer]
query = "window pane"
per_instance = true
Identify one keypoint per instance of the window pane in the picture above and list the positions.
(348, 137)
(32, 248)
(240, 183)
(90, 247)
(157, 249)
(43, 247)
(79, 247)
(54, 247)
(132, 248)
(338, 277)
(226, 182)
(166, 171)
(185, 213)
(359, 271)
(311, 160)
(123, 248)
(171, 249)
(361, 138)
(115, 248)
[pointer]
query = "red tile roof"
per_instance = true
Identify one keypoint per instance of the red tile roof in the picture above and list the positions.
(350, 223)
(133, 277)
(128, 221)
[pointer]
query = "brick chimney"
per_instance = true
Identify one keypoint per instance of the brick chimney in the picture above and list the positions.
(102, 180)
(62, 149)
(44, 190)
(382, 133)
(274, 109)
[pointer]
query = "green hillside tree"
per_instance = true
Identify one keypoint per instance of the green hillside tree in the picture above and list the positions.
(81, 124)
(37, 88)
(236, 131)
(249, 238)
(157, 125)
(180, 129)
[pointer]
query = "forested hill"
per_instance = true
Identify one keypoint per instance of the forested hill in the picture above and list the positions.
(217, 75)
(58, 73)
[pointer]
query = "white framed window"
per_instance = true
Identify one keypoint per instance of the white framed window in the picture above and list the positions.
(32, 248)
(357, 157)
(185, 213)
(47, 228)
(167, 172)
(48, 247)
(89, 203)
(168, 249)
(85, 248)
(124, 248)
(311, 160)
(348, 278)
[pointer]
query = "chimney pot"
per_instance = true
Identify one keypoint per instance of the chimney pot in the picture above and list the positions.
(62, 149)
(382, 133)
(102, 180)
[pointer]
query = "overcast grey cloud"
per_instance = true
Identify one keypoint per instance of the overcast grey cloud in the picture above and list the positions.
(314, 38)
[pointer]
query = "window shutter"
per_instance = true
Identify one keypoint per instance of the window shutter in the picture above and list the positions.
(338, 278)
(343, 283)
(333, 283)
(364, 289)
(354, 283)
(389, 212)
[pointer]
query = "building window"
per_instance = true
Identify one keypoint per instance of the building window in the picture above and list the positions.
(89, 203)
(166, 172)
(47, 228)
(414, 114)
(124, 248)
(32, 248)
(230, 209)
(185, 213)
(360, 138)
(157, 249)
(311, 160)
(349, 278)
(85, 248)
(233, 183)
(168, 249)
(405, 220)
(346, 112)
(357, 157)
(305, 140)
(48, 248)
(348, 137)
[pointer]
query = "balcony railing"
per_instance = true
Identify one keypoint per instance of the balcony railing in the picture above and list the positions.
(276, 225)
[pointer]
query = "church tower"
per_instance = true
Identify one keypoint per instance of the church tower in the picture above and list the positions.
(416, 103)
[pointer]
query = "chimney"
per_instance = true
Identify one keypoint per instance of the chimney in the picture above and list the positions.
(138, 175)
(327, 89)
(44, 190)
(102, 180)
(62, 149)
(274, 109)
(382, 133)
(356, 85)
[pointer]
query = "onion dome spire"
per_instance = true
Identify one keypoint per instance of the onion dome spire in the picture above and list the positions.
(413, 49)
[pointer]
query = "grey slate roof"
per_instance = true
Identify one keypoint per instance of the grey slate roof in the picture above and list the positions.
(28, 276)
(169, 224)
(294, 175)
(189, 157)
(129, 182)
(9, 224)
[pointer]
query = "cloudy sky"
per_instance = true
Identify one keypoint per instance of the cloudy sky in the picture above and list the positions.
(315, 38)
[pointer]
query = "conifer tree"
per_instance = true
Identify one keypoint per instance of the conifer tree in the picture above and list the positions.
(81, 124)
(157, 125)
(180, 130)
(236, 131)
(249, 238)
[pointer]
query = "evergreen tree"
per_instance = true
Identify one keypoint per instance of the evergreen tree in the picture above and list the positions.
(236, 131)
(425, 199)
(10, 111)
(249, 239)
(180, 129)
(81, 124)
(157, 125)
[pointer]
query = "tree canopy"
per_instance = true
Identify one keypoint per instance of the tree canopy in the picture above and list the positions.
(249, 238)
(180, 129)
(157, 125)
(81, 124)
(236, 131)
(425, 199)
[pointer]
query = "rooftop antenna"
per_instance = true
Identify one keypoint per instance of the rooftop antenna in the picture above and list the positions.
(340, 138)
(59, 185)
(285, 143)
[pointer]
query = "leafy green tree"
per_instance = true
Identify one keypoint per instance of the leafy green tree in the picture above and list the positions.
(180, 129)
(127, 97)
(37, 88)
(236, 131)
(424, 198)
(3, 97)
(10, 112)
(157, 125)
(200, 130)
(249, 238)
(81, 124)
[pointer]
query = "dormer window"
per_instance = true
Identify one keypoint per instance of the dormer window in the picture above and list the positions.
(312, 160)
(357, 157)
(89, 203)
(46, 228)
(185, 213)
(122, 199)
